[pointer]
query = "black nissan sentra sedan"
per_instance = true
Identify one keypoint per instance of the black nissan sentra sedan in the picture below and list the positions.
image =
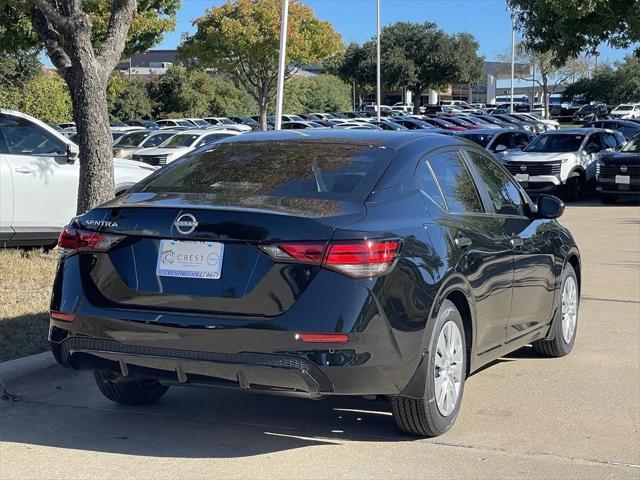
(325, 262)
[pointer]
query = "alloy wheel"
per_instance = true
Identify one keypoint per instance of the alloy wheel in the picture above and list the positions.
(448, 368)
(569, 309)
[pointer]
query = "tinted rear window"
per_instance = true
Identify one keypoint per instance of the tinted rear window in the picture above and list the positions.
(235, 171)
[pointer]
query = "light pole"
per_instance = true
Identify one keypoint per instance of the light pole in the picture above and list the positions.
(513, 58)
(281, 62)
(378, 91)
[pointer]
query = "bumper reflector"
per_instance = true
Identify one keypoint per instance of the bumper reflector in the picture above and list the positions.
(62, 316)
(322, 337)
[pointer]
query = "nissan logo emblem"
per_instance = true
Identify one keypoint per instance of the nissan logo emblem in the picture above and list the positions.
(623, 169)
(523, 167)
(185, 223)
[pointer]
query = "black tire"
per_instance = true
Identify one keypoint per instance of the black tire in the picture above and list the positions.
(572, 190)
(608, 198)
(422, 416)
(129, 391)
(558, 346)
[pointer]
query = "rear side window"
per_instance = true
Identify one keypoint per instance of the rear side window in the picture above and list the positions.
(504, 195)
(235, 171)
(455, 181)
(428, 185)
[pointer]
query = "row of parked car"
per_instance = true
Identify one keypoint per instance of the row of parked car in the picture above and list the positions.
(39, 168)
(562, 161)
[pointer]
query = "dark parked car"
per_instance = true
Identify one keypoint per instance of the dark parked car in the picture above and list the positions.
(499, 140)
(412, 123)
(589, 113)
(618, 173)
(388, 125)
(248, 121)
(628, 128)
(331, 263)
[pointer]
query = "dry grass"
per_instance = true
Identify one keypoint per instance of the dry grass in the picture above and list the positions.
(26, 278)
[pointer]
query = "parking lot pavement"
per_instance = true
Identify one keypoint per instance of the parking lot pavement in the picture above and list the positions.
(524, 417)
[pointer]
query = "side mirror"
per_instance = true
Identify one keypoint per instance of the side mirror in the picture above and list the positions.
(501, 148)
(72, 154)
(550, 207)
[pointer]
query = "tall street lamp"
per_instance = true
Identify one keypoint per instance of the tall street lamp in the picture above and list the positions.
(378, 90)
(281, 62)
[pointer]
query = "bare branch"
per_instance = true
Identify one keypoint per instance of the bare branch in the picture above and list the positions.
(111, 49)
(55, 17)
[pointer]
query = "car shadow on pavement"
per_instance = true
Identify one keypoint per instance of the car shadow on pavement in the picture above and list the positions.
(63, 409)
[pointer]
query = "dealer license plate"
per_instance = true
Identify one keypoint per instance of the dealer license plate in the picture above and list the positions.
(188, 259)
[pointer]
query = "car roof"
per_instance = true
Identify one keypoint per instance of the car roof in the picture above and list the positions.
(385, 138)
(574, 131)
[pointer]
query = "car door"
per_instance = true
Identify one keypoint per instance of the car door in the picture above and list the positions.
(530, 245)
(45, 183)
(6, 197)
(480, 248)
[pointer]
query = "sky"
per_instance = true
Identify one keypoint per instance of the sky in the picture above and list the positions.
(355, 20)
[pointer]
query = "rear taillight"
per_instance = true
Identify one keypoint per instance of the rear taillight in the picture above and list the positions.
(72, 239)
(359, 259)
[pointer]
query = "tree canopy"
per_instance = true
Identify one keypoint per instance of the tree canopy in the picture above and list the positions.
(85, 40)
(152, 19)
(193, 92)
(610, 84)
(318, 93)
(241, 39)
(414, 55)
(572, 27)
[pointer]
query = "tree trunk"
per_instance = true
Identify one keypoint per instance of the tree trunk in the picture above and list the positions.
(417, 100)
(545, 94)
(90, 113)
(263, 106)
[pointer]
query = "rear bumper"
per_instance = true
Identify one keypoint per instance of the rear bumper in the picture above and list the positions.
(245, 370)
(241, 357)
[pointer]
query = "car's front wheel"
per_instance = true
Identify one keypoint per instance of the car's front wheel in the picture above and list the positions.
(446, 365)
(129, 391)
(572, 190)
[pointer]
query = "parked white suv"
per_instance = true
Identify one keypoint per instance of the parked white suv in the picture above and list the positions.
(626, 111)
(39, 172)
(180, 144)
(562, 160)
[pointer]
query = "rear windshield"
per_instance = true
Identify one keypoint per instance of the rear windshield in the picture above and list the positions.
(238, 170)
(132, 139)
(180, 140)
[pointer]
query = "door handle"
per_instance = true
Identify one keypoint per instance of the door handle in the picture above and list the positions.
(462, 242)
(24, 170)
(516, 242)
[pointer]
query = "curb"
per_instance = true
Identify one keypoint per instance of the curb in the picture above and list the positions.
(19, 367)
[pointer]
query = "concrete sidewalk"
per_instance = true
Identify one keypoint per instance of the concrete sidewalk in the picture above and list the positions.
(524, 417)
